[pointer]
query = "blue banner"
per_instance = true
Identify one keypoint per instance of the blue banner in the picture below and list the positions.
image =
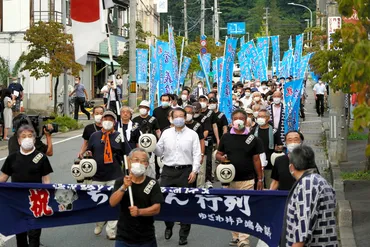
(175, 63)
(154, 77)
(184, 69)
(292, 98)
(226, 104)
(217, 70)
(242, 41)
(275, 54)
(284, 70)
(290, 43)
(205, 64)
(33, 206)
(297, 54)
(255, 61)
(263, 48)
(141, 66)
(166, 79)
(302, 68)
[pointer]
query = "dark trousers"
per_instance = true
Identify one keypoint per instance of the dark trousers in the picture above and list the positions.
(80, 102)
(112, 106)
(320, 104)
(302, 110)
(172, 177)
(208, 152)
(120, 243)
(32, 241)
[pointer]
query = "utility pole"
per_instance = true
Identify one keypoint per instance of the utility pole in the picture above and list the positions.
(170, 20)
(186, 22)
(65, 80)
(216, 24)
(338, 127)
(266, 17)
(132, 55)
(202, 16)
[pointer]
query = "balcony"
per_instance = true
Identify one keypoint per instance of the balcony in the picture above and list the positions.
(48, 16)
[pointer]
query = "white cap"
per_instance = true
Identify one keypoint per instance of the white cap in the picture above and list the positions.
(145, 103)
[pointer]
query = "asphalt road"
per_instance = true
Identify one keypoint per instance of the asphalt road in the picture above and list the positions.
(66, 147)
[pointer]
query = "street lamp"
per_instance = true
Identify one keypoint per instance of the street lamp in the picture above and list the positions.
(303, 6)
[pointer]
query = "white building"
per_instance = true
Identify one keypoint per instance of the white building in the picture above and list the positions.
(16, 16)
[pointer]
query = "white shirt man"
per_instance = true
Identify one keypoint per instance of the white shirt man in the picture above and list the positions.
(319, 88)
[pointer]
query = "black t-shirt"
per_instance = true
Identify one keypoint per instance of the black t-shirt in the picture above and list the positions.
(221, 122)
(27, 168)
(16, 87)
(240, 150)
(263, 134)
(137, 230)
(147, 125)
(205, 122)
(13, 145)
(197, 127)
(161, 114)
(212, 118)
(106, 172)
(89, 130)
(133, 138)
(281, 173)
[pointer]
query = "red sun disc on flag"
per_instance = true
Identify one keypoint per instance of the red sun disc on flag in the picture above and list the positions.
(85, 10)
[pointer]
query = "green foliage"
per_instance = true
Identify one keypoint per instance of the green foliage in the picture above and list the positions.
(4, 71)
(65, 123)
(18, 66)
(359, 175)
(355, 135)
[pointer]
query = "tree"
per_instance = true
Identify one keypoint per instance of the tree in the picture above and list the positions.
(346, 66)
(4, 71)
(50, 53)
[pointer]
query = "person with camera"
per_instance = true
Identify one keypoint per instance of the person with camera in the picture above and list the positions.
(21, 120)
(27, 165)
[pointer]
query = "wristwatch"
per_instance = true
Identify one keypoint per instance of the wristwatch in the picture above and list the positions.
(260, 180)
(122, 188)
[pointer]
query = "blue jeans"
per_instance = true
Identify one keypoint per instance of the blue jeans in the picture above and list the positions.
(120, 243)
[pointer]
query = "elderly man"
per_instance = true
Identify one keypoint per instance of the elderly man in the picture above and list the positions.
(131, 130)
(136, 224)
(27, 165)
(199, 90)
(277, 112)
(310, 211)
(180, 148)
(147, 123)
(106, 149)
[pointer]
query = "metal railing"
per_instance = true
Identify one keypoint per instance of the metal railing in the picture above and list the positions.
(47, 16)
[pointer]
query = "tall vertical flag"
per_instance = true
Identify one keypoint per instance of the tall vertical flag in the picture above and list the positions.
(87, 27)
(303, 65)
(275, 54)
(297, 53)
(263, 48)
(292, 97)
(154, 77)
(217, 66)
(141, 66)
(175, 63)
(255, 60)
(166, 79)
(226, 105)
(242, 41)
(290, 43)
(245, 72)
(205, 64)
(285, 67)
(184, 69)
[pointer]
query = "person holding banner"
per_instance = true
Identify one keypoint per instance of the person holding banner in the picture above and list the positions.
(135, 225)
(106, 149)
(243, 149)
(180, 148)
(27, 165)
(131, 130)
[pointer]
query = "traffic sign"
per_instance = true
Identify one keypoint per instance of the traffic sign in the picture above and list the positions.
(203, 37)
(203, 50)
(203, 42)
(236, 28)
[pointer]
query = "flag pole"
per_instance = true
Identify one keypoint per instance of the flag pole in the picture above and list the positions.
(149, 63)
(178, 77)
(123, 137)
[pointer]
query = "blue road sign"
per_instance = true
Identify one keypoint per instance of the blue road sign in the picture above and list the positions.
(236, 28)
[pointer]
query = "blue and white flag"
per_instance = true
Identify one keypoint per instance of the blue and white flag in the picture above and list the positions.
(200, 74)
(303, 65)
(284, 70)
(175, 63)
(205, 64)
(141, 66)
(275, 54)
(297, 53)
(292, 98)
(184, 69)
(154, 77)
(226, 104)
(263, 48)
(290, 43)
(166, 79)
(217, 66)
(242, 41)
(256, 61)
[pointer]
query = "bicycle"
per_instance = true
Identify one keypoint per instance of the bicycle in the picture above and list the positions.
(60, 106)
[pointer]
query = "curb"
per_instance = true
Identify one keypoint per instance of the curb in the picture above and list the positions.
(344, 210)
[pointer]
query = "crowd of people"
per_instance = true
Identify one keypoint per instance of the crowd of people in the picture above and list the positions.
(190, 129)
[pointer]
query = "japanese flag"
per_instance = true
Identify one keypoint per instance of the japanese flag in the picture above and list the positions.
(87, 27)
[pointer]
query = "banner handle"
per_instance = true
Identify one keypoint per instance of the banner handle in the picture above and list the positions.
(129, 188)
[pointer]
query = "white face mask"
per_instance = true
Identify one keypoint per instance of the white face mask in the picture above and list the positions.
(264, 87)
(184, 97)
(27, 143)
(292, 146)
(203, 105)
(277, 100)
(234, 102)
(138, 169)
(247, 94)
(258, 84)
(199, 85)
(97, 118)
(238, 124)
(179, 122)
(189, 117)
(256, 99)
(143, 111)
(196, 115)
(255, 114)
(260, 121)
(165, 104)
(212, 106)
(107, 125)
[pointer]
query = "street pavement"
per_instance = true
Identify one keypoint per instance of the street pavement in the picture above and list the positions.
(66, 147)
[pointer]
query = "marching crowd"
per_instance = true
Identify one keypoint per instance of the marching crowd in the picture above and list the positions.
(193, 137)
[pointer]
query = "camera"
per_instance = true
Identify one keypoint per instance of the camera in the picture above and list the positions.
(36, 121)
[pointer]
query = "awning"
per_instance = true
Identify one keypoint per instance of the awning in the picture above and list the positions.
(107, 61)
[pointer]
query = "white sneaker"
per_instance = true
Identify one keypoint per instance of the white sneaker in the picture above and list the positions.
(98, 230)
(209, 185)
(111, 236)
